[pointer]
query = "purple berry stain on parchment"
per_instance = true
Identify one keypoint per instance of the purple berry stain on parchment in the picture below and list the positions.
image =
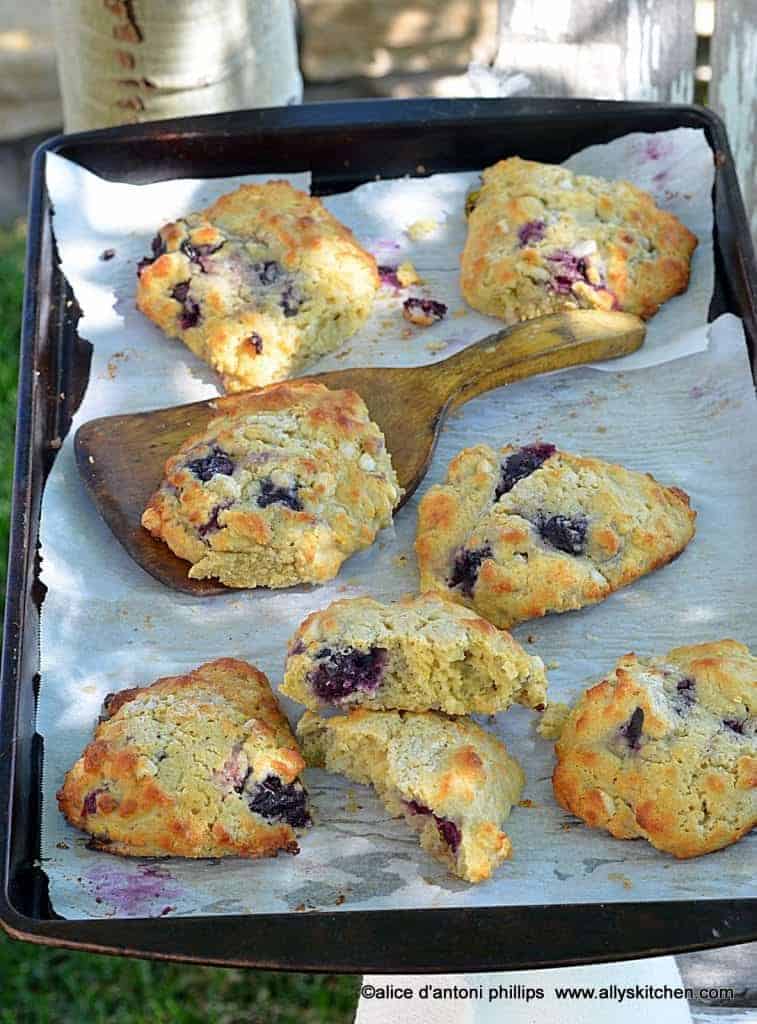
(144, 893)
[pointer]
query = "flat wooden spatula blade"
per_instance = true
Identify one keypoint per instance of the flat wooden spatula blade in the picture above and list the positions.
(121, 458)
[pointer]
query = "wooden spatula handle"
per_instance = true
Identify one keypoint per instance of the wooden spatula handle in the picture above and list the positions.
(536, 346)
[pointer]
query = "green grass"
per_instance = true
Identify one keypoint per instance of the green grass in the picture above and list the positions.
(11, 288)
(45, 986)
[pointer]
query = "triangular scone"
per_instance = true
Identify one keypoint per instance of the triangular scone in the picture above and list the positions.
(532, 530)
(419, 654)
(200, 765)
(666, 749)
(258, 285)
(453, 782)
(281, 487)
(542, 239)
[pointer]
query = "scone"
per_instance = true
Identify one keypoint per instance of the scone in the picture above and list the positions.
(454, 783)
(420, 654)
(665, 749)
(283, 486)
(199, 765)
(542, 239)
(258, 285)
(534, 530)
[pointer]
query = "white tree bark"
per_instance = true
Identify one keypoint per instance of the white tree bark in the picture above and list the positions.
(607, 49)
(733, 93)
(122, 61)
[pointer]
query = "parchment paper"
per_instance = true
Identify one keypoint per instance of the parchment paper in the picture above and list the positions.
(107, 625)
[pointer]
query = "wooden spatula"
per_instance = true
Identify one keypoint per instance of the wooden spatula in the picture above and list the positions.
(121, 458)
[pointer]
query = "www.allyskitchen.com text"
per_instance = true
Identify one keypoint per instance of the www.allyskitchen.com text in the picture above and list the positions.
(527, 994)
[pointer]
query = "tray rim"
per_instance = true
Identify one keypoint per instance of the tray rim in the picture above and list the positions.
(350, 941)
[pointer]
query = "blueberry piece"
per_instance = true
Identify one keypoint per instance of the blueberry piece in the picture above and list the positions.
(158, 247)
(567, 269)
(90, 802)
(466, 567)
(735, 725)
(256, 342)
(189, 315)
(199, 254)
(342, 673)
(447, 829)
(388, 276)
(521, 464)
(449, 832)
(566, 533)
(217, 462)
(415, 808)
(291, 300)
(631, 731)
(685, 695)
(423, 310)
(212, 525)
(278, 801)
(271, 494)
(268, 271)
(531, 231)
(107, 254)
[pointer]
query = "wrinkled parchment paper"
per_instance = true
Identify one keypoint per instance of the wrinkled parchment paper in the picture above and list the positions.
(107, 625)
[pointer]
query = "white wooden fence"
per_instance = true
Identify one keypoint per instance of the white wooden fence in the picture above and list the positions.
(611, 49)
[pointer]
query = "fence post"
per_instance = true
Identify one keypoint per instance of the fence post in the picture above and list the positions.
(733, 90)
(606, 49)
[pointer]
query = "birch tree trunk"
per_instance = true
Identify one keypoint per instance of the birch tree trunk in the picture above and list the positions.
(122, 61)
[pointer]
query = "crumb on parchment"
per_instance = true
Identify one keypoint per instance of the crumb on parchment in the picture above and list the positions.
(407, 274)
(421, 229)
(552, 721)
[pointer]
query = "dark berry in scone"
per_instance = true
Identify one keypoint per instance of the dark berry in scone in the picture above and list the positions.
(542, 239)
(419, 654)
(198, 765)
(258, 285)
(533, 530)
(284, 485)
(454, 783)
(665, 749)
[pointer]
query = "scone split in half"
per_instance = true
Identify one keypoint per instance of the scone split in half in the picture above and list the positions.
(542, 239)
(666, 749)
(284, 485)
(260, 284)
(453, 782)
(199, 765)
(532, 530)
(418, 654)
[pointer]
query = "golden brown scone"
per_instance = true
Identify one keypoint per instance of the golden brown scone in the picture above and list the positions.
(199, 765)
(664, 749)
(283, 486)
(418, 654)
(258, 285)
(532, 530)
(453, 782)
(542, 239)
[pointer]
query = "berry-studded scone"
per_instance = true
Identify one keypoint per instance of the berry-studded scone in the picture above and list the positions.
(533, 530)
(258, 285)
(453, 782)
(420, 654)
(199, 765)
(283, 486)
(542, 239)
(666, 749)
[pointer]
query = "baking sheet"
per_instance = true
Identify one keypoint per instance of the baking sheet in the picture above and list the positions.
(107, 625)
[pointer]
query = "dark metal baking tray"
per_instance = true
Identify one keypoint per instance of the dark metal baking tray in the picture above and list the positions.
(342, 144)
